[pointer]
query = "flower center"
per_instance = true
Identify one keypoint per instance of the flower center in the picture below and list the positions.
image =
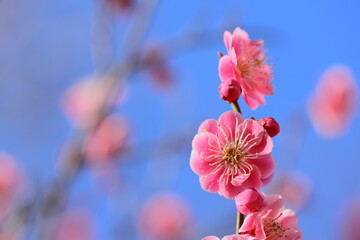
(232, 155)
(273, 229)
(248, 65)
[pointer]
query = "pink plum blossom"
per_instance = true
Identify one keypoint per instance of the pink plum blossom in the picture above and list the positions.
(106, 140)
(249, 201)
(230, 90)
(272, 222)
(165, 217)
(245, 62)
(332, 107)
(230, 237)
(232, 154)
(82, 101)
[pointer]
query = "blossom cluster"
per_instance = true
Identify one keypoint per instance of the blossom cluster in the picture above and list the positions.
(233, 155)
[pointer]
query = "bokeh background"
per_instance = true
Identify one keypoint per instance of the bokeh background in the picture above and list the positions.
(48, 46)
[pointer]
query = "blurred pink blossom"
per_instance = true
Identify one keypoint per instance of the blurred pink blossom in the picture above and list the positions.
(82, 101)
(272, 222)
(332, 107)
(11, 180)
(165, 217)
(108, 139)
(294, 187)
(245, 62)
(232, 154)
(74, 225)
(249, 201)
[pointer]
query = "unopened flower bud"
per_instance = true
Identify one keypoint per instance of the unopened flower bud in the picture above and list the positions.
(249, 201)
(271, 126)
(230, 90)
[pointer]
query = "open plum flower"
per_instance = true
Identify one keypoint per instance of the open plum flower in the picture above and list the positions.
(165, 216)
(245, 63)
(232, 154)
(272, 222)
(333, 106)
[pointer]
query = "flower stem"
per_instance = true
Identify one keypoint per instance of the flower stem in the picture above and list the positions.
(239, 221)
(235, 106)
(239, 217)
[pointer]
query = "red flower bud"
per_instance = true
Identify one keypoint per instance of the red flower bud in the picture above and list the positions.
(230, 90)
(271, 126)
(249, 201)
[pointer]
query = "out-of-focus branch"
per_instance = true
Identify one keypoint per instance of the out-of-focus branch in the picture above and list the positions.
(72, 160)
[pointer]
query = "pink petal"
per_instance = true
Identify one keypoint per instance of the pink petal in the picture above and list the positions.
(289, 219)
(228, 120)
(274, 205)
(264, 144)
(239, 41)
(252, 103)
(226, 68)
(200, 165)
(253, 227)
(266, 165)
(254, 179)
(228, 190)
(249, 222)
(239, 180)
(266, 181)
(210, 183)
(241, 34)
(254, 128)
(227, 40)
(209, 125)
(201, 142)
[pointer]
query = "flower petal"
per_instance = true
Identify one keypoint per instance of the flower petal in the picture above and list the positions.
(229, 122)
(252, 103)
(226, 68)
(200, 165)
(254, 179)
(274, 204)
(228, 190)
(239, 41)
(266, 165)
(227, 40)
(210, 183)
(289, 219)
(209, 125)
(204, 144)
(239, 180)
